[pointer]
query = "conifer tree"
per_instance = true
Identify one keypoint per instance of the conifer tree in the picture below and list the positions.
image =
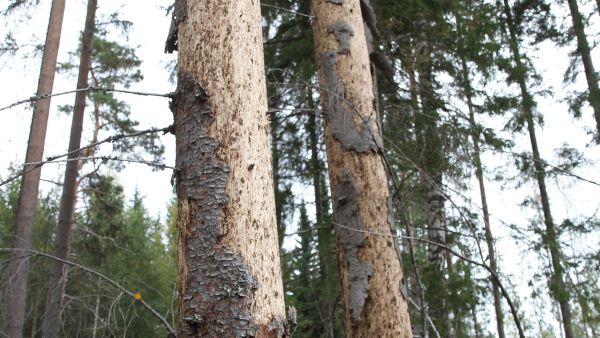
(13, 315)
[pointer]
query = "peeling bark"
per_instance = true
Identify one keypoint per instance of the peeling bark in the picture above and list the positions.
(230, 279)
(370, 270)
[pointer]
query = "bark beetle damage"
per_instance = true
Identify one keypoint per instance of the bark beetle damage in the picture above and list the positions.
(343, 127)
(346, 213)
(218, 288)
(335, 2)
(179, 14)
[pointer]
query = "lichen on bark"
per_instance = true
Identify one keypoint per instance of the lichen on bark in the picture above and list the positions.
(339, 112)
(217, 285)
(343, 32)
(350, 234)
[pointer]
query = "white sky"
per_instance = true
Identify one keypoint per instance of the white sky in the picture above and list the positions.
(570, 198)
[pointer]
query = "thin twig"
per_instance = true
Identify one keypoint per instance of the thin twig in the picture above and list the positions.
(288, 10)
(114, 138)
(35, 98)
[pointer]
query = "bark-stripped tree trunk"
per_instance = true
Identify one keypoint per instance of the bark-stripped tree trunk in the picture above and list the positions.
(583, 48)
(229, 273)
(66, 216)
(370, 270)
(14, 301)
(550, 238)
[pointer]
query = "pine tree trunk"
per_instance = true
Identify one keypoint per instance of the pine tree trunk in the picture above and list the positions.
(590, 73)
(430, 162)
(550, 240)
(66, 216)
(324, 234)
(18, 270)
(489, 238)
(229, 273)
(370, 270)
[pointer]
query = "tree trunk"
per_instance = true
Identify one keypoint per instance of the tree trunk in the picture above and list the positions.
(583, 48)
(66, 216)
(229, 273)
(18, 270)
(370, 270)
(489, 238)
(324, 234)
(430, 161)
(550, 238)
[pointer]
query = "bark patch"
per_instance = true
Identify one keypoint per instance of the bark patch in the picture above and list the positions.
(218, 287)
(340, 112)
(351, 238)
(179, 14)
(343, 32)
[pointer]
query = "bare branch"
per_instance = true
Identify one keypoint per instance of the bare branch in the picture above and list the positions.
(35, 98)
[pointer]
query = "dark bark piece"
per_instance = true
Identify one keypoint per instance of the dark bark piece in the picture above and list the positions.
(351, 238)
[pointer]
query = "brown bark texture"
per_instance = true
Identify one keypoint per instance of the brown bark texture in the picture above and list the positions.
(370, 270)
(66, 215)
(14, 296)
(229, 272)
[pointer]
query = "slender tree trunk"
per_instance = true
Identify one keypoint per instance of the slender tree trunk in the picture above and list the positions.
(229, 273)
(586, 57)
(18, 270)
(324, 234)
(550, 239)
(370, 270)
(430, 161)
(66, 216)
(489, 238)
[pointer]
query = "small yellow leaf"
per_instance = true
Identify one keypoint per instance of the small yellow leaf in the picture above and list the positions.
(137, 296)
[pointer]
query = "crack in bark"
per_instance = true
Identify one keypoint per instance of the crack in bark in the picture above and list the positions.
(346, 213)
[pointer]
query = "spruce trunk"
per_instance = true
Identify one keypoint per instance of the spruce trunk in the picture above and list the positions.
(550, 238)
(14, 302)
(229, 272)
(66, 216)
(583, 48)
(370, 270)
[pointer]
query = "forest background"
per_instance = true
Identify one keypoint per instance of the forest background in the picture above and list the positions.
(140, 233)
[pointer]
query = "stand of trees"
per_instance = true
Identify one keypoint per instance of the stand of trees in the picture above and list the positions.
(338, 157)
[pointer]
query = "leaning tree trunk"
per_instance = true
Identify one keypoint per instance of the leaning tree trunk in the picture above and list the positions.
(583, 48)
(370, 270)
(550, 238)
(66, 215)
(229, 273)
(11, 322)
